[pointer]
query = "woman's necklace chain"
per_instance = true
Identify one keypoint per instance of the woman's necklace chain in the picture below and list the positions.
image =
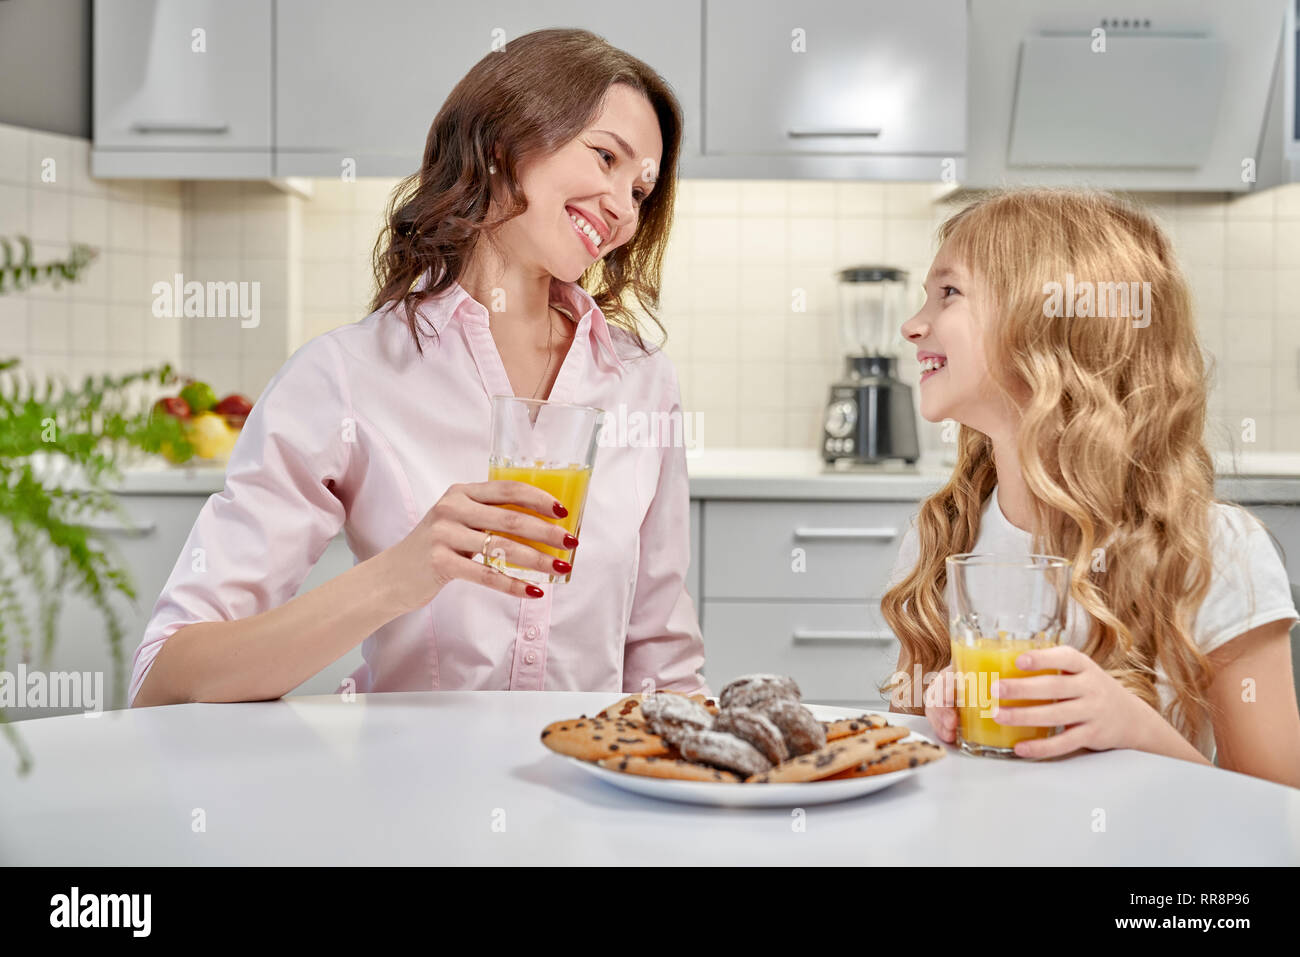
(550, 329)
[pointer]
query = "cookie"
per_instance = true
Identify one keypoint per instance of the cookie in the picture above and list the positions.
(672, 715)
(847, 727)
(629, 709)
(801, 731)
(832, 759)
(893, 757)
(750, 690)
(754, 727)
(723, 750)
(710, 704)
(598, 737)
(676, 768)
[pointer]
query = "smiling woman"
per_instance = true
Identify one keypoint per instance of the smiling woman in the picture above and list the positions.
(528, 140)
(543, 199)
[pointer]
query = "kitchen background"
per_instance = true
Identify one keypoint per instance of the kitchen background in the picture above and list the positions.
(225, 167)
(756, 372)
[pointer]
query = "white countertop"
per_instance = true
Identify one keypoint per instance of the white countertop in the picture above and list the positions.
(1256, 477)
(418, 778)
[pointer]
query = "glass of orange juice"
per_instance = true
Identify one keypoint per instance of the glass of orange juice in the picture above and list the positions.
(550, 445)
(998, 608)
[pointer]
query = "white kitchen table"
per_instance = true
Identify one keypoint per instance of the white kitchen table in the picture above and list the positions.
(462, 778)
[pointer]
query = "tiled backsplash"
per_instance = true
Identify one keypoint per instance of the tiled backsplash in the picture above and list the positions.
(755, 369)
(102, 323)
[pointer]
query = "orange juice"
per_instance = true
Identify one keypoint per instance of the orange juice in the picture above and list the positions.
(568, 485)
(978, 663)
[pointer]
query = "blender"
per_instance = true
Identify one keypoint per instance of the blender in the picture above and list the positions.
(870, 418)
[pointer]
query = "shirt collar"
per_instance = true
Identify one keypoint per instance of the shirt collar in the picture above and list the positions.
(455, 301)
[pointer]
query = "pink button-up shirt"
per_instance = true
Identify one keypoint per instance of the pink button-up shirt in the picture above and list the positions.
(358, 432)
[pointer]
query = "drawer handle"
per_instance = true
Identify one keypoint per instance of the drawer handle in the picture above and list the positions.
(805, 634)
(163, 126)
(846, 534)
(871, 132)
(141, 530)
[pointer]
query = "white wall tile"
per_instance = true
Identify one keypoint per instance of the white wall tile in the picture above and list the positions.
(764, 198)
(126, 225)
(811, 199)
(1249, 340)
(717, 198)
(89, 328)
(49, 160)
(13, 327)
(48, 324)
(764, 241)
(51, 214)
(1286, 201)
(13, 155)
(1250, 243)
(1248, 293)
(14, 214)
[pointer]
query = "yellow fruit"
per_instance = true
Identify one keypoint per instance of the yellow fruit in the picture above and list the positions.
(210, 436)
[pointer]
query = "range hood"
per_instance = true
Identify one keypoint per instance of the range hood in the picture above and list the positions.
(1169, 95)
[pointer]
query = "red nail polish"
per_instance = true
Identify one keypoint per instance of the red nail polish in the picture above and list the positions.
(560, 510)
(570, 541)
(532, 591)
(562, 566)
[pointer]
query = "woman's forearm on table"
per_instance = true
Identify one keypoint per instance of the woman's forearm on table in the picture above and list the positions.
(269, 654)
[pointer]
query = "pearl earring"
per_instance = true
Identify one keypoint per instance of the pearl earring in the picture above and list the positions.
(492, 168)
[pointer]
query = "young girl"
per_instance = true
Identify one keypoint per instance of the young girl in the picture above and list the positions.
(1085, 433)
(552, 161)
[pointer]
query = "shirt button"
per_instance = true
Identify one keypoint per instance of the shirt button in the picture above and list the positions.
(531, 633)
(530, 658)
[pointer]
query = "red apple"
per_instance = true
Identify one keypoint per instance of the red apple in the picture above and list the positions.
(233, 404)
(234, 408)
(173, 405)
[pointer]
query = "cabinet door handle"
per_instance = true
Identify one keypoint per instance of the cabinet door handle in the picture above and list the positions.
(870, 132)
(810, 634)
(140, 530)
(163, 126)
(846, 534)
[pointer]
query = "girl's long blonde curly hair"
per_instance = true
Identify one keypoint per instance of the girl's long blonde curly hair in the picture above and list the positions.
(1110, 440)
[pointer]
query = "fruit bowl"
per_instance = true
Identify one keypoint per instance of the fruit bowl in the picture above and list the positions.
(210, 426)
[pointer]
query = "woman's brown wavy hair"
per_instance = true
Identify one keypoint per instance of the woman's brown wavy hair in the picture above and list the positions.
(1110, 441)
(527, 100)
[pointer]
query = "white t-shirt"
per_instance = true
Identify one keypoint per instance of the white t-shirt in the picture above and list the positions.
(1244, 557)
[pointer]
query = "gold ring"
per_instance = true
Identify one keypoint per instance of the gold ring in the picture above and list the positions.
(487, 544)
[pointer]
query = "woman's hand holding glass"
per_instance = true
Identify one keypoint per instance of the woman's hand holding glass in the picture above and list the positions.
(469, 520)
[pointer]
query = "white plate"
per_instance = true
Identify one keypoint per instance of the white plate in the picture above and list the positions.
(758, 795)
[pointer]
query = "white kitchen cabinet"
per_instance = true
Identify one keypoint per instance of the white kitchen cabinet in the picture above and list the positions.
(801, 550)
(342, 93)
(1283, 521)
(838, 77)
(149, 545)
(793, 587)
(182, 88)
(838, 652)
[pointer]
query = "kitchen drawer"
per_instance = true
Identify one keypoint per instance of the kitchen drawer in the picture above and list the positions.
(837, 652)
(848, 548)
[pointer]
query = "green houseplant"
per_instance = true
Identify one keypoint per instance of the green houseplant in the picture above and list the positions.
(60, 445)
